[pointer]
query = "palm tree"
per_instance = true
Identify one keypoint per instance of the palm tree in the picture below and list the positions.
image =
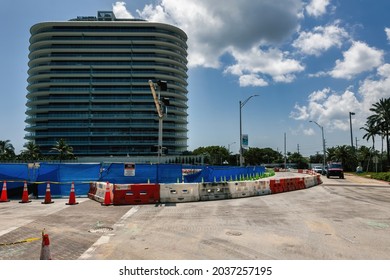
(346, 155)
(371, 132)
(7, 150)
(381, 121)
(65, 151)
(31, 152)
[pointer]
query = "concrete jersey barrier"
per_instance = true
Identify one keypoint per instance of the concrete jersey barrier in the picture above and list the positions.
(181, 192)
(193, 192)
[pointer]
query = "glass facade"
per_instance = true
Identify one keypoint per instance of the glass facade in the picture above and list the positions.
(88, 84)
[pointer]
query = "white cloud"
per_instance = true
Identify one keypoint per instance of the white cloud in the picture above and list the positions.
(308, 131)
(273, 63)
(120, 11)
(359, 58)
(317, 8)
(320, 39)
(328, 108)
(252, 80)
(331, 109)
(214, 30)
(372, 90)
(387, 30)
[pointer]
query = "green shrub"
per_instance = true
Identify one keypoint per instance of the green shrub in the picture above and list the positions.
(385, 176)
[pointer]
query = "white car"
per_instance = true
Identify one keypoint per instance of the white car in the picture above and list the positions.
(317, 169)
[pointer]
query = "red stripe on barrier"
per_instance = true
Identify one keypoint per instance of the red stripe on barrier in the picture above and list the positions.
(134, 194)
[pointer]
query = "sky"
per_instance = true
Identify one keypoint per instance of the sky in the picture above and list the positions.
(313, 60)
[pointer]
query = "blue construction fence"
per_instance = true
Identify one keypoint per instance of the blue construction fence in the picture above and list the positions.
(62, 175)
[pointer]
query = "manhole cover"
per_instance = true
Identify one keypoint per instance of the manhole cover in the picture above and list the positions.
(234, 233)
(101, 229)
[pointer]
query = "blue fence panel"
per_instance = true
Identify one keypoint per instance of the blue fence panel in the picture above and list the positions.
(61, 176)
(14, 172)
(143, 173)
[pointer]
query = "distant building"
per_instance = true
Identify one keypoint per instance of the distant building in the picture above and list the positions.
(88, 84)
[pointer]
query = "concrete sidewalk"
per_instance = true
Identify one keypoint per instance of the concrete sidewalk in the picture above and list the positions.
(72, 229)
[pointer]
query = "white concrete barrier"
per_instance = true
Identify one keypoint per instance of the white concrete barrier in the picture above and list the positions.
(262, 187)
(310, 181)
(242, 189)
(99, 191)
(179, 192)
(214, 191)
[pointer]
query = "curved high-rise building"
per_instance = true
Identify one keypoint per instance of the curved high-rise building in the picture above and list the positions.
(88, 84)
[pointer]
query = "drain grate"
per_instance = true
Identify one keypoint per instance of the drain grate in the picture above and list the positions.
(234, 233)
(101, 229)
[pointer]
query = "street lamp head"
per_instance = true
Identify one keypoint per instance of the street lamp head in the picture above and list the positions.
(352, 113)
(246, 100)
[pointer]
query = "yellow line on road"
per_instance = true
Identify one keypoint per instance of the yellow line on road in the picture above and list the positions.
(20, 242)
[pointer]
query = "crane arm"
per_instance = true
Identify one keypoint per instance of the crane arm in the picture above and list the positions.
(155, 98)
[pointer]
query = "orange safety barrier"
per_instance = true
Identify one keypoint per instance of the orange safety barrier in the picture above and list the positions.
(299, 183)
(136, 194)
(277, 185)
(92, 190)
(290, 185)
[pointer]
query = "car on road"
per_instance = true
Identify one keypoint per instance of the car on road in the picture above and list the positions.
(335, 169)
(317, 169)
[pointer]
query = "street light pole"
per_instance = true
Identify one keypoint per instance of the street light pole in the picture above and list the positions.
(323, 143)
(242, 104)
(229, 146)
(350, 125)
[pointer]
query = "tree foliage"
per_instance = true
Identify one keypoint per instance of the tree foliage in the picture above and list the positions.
(379, 123)
(7, 150)
(214, 155)
(63, 149)
(257, 156)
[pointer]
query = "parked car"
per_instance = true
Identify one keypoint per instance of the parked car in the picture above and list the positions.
(335, 169)
(317, 169)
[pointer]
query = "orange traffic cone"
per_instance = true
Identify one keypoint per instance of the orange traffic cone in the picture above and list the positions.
(4, 195)
(72, 196)
(25, 194)
(107, 196)
(48, 195)
(45, 249)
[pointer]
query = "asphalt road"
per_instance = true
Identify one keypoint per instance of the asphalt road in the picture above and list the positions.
(340, 219)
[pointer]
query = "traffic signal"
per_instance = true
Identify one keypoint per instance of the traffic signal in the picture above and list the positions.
(163, 85)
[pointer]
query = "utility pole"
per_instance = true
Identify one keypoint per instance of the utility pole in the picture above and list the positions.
(356, 141)
(323, 143)
(285, 152)
(242, 104)
(350, 125)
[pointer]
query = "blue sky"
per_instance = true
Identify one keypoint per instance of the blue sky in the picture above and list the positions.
(306, 60)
